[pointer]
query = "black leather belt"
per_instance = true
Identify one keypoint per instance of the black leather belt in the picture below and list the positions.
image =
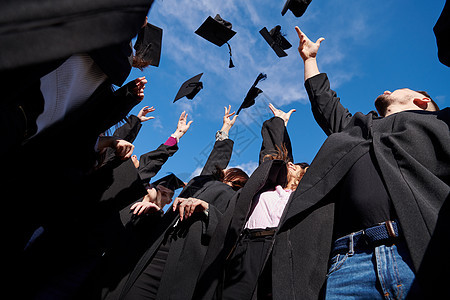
(383, 232)
(254, 233)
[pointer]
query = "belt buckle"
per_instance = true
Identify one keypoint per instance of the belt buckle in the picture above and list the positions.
(390, 229)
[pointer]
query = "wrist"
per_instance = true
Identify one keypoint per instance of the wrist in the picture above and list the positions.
(225, 128)
(177, 135)
(221, 135)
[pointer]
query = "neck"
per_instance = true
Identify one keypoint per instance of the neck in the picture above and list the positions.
(393, 109)
(292, 184)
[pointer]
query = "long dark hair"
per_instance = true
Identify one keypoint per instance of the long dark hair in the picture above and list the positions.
(235, 176)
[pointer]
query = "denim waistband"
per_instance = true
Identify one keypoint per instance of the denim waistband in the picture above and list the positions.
(381, 233)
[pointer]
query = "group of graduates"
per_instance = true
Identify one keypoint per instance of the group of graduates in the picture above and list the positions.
(367, 219)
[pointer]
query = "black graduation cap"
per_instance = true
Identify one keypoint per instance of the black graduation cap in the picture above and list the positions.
(148, 44)
(170, 181)
(217, 31)
(276, 40)
(249, 99)
(190, 88)
(298, 7)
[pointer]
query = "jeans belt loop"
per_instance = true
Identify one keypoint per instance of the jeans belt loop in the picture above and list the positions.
(351, 249)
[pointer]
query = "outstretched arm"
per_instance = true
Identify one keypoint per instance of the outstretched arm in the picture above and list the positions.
(325, 105)
(274, 133)
(223, 148)
(151, 162)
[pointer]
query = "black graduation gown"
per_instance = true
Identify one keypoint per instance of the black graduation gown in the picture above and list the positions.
(192, 236)
(412, 149)
(60, 157)
(31, 34)
(103, 223)
(269, 174)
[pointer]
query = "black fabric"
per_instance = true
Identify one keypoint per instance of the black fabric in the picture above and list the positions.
(274, 134)
(32, 33)
(412, 152)
(148, 44)
(53, 171)
(114, 61)
(269, 174)
(147, 284)
(191, 237)
(217, 30)
(298, 7)
(190, 88)
(244, 268)
(276, 40)
(362, 200)
(252, 93)
(151, 162)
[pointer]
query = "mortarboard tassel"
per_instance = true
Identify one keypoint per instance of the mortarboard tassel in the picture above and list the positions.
(231, 65)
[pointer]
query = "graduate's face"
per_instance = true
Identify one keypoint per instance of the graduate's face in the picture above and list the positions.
(295, 171)
(398, 97)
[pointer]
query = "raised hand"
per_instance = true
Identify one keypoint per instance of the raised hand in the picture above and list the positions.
(182, 126)
(281, 114)
(139, 87)
(307, 48)
(227, 122)
(142, 115)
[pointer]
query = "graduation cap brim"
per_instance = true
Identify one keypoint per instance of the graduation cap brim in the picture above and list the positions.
(273, 44)
(298, 7)
(214, 32)
(189, 88)
(252, 93)
(170, 181)
(148, 44)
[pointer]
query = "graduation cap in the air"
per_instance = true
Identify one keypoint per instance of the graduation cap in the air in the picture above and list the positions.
(276, 40)
(170, 181)
(148, 44)
(298, 7)
(217, 31)
(190, 88)
(249, 99)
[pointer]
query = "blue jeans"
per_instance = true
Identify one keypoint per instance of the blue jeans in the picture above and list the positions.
(382, 272)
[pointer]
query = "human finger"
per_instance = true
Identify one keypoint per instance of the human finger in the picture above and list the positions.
(320, 40)
(229, 115)
(181, 210)
(272, 108)
(290, 112)
(134, 206)
(176, 202)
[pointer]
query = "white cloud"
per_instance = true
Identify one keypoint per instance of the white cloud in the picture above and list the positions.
(251, 54)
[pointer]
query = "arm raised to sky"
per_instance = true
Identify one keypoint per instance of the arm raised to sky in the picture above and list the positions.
(326, 107)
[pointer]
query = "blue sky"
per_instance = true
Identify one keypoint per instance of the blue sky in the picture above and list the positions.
(369, 47)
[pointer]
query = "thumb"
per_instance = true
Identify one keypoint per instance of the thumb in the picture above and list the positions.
(320, 40)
